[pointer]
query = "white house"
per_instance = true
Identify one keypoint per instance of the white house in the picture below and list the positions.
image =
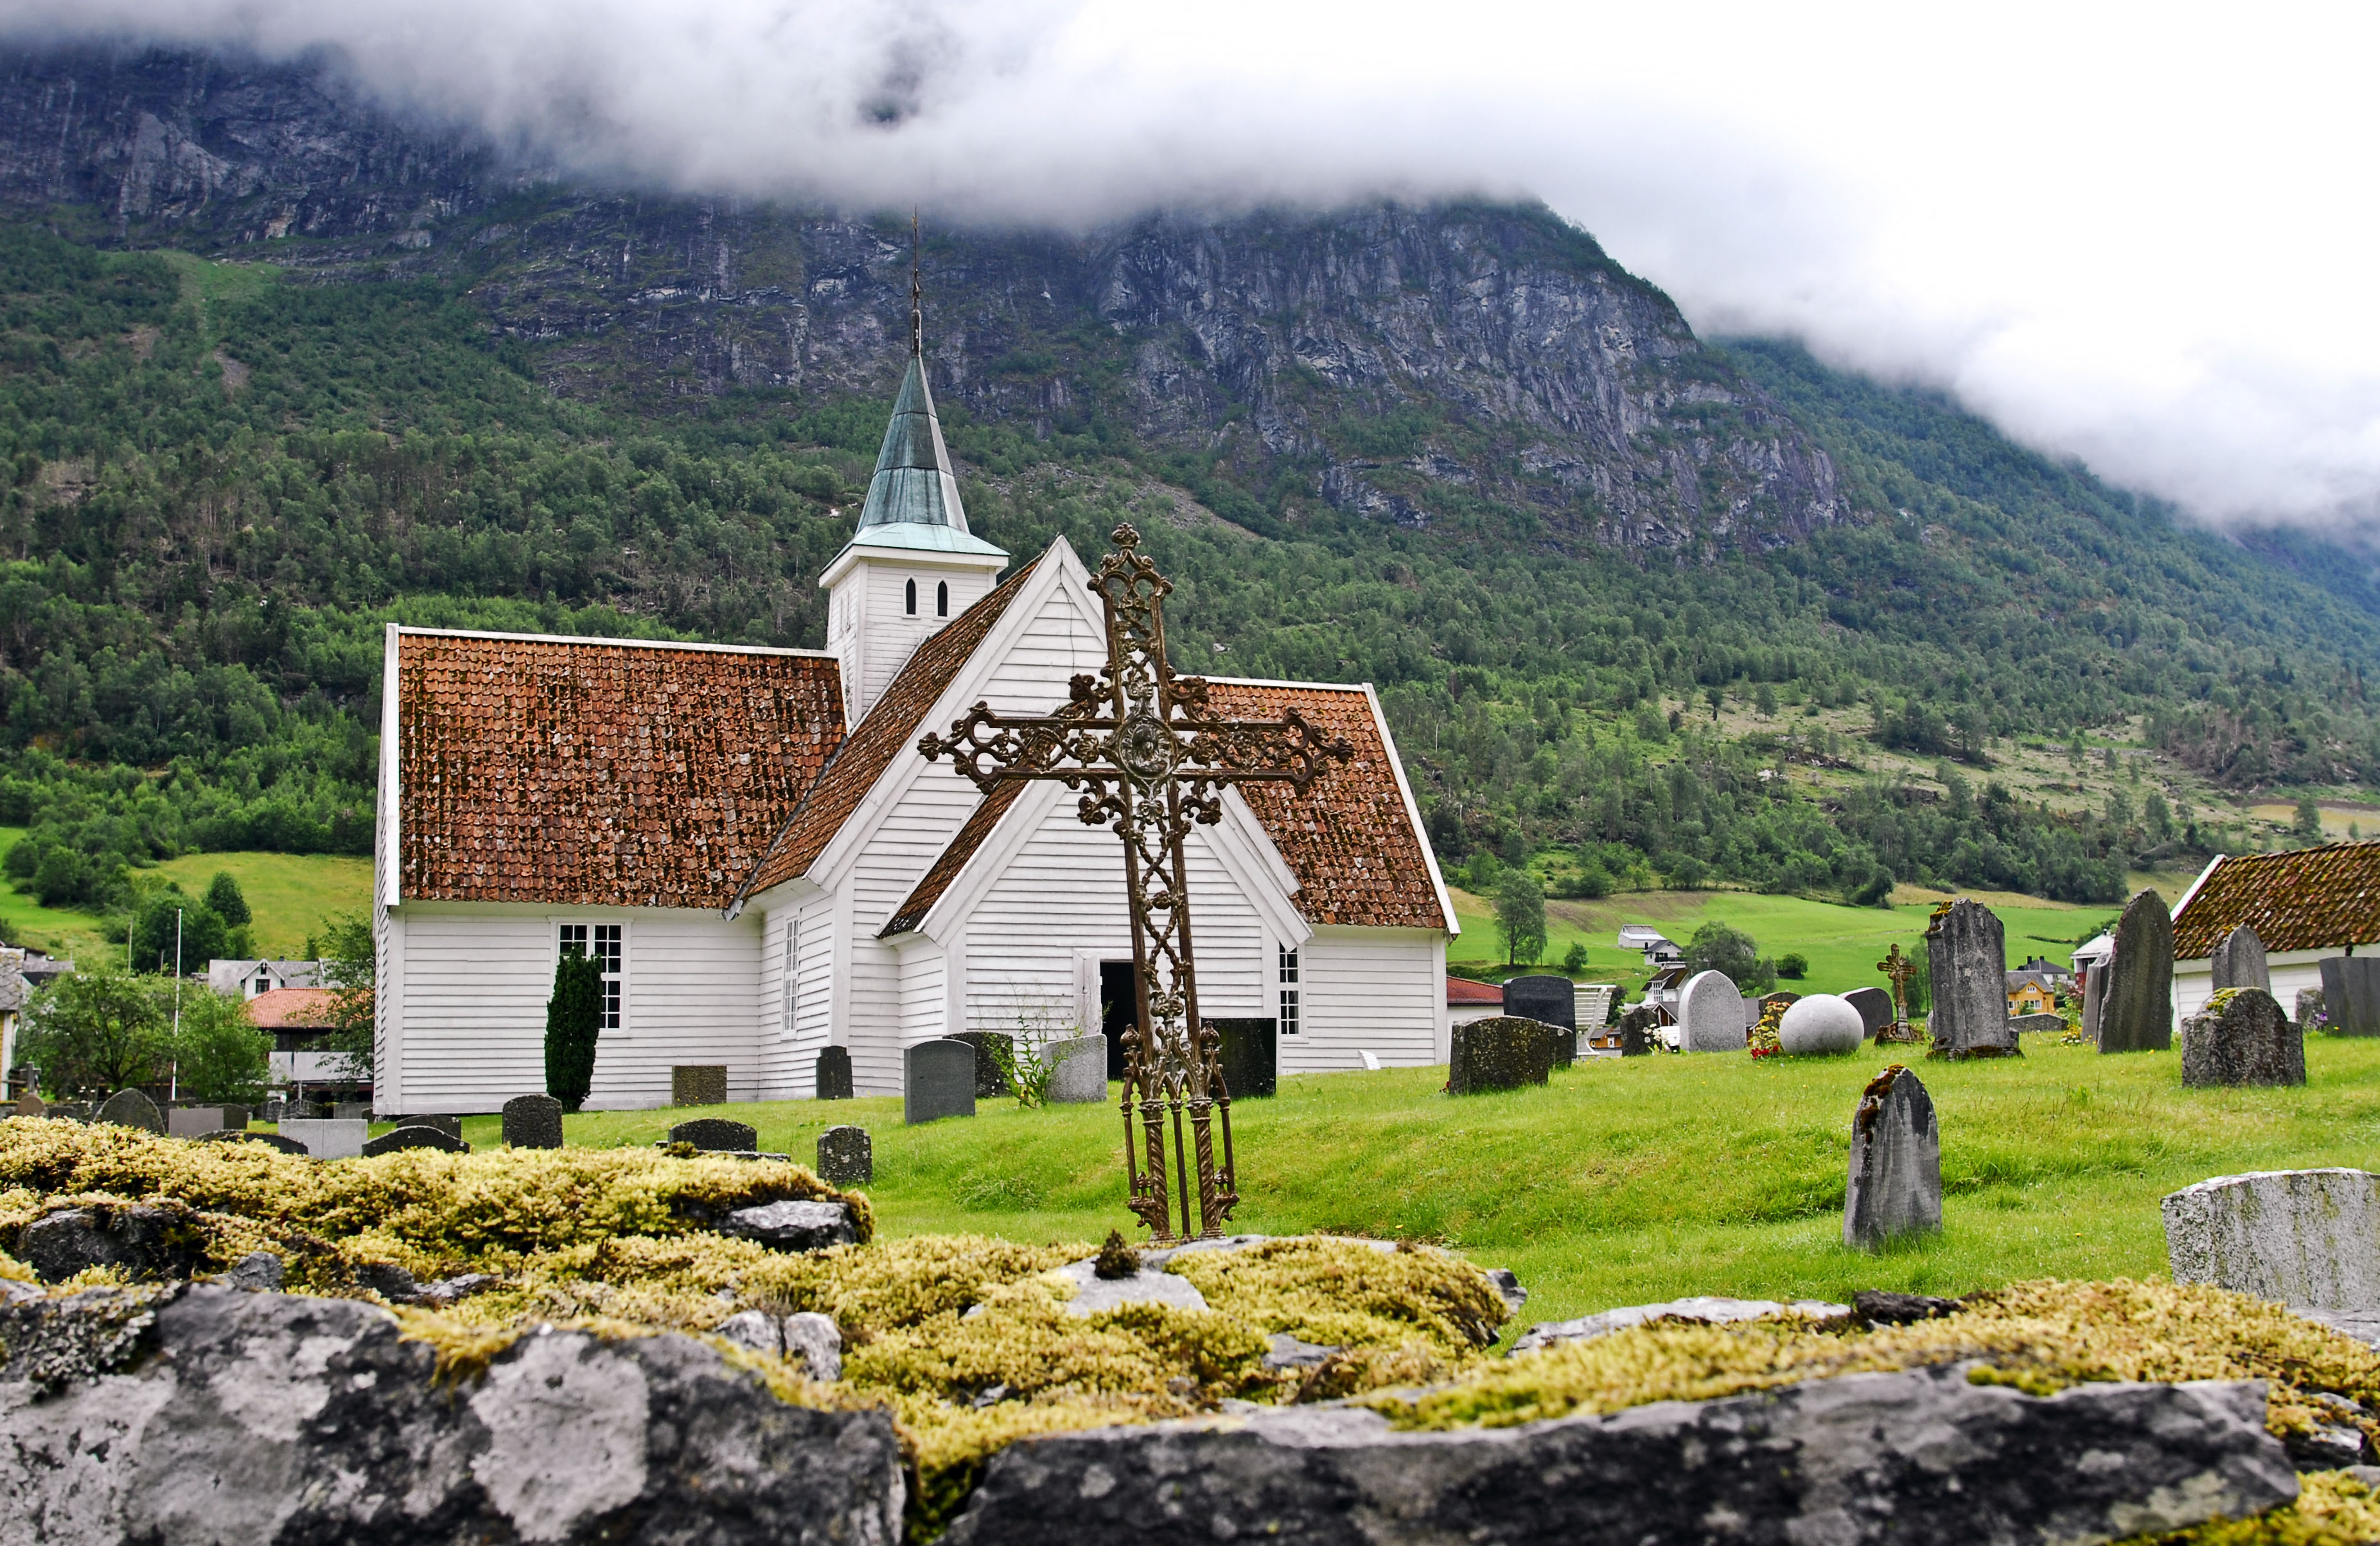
(248, 978)
(2305, 906)
(751, 844)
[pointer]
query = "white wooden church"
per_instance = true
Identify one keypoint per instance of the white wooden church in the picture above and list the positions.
(751, 844)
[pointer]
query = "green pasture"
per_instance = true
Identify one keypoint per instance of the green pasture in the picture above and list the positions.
(1629, 1181)
(290, 894)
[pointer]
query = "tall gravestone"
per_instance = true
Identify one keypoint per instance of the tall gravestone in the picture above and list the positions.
(1710, 1015)
(2362, 976)
(2333, 993)
(129, 1107)
(2136, 1016)
(2243, 1037)
(1249, 1050)
(1544, 997)
(2239, 962)
(533, 1122)
(845, 1155)
(834, 1073)
(1966, 950)
(937, 1080)
(1896, 1174)
(1875, 1007)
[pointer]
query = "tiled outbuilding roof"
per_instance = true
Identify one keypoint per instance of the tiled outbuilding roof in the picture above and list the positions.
(291, 1009)
(1462, 990)
(600, 773)
(2324, 898)
(888, 731)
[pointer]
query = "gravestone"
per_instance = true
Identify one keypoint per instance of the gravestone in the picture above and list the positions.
(2037, 1025)
(2362, 974)
(129, 1107)
(70, 1111)
(450, 1125)
(1895, 1173)
(328, 1138)
(847, 1157)
(2238, 961)
(189, 1122)
(698, 1084)
(1503, 1051)
(351, 1111)
(1637, 1032)
(236, 1116)
(1546, 998)
(2094, 999)
(2242, 1038)
(1710, 1015)
(989, 1080)
(715, 1134)
(533, 1122)
(240, 1135)
(2309, 1008)
(1875, 1007)
(2310, 1238)
(1967, 952)
(1248, 1052)
(937, 1080)
(2137, 1013)
(28, 1104)
(1078, 1071)
(834, 1073)
(408, 1137)
(1820, 1026)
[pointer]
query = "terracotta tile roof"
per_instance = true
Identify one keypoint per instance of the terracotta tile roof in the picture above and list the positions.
(1462, 990)
(954, 858)
(2314, 899)
(888, 731)
(1357, 857)
(597, 772)
(291, 1009)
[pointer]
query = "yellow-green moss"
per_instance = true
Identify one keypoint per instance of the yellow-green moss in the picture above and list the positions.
(2333, 1509)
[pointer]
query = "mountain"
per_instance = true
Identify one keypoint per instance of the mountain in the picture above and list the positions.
(281, 364)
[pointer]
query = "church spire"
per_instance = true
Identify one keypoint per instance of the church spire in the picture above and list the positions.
(912, 486)
(916, 294)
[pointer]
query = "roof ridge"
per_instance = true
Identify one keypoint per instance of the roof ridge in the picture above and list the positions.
(605, 640)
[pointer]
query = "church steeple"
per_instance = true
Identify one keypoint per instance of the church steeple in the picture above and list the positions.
(913, 485)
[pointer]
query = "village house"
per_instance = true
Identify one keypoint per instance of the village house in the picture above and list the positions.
(750, 845)
(2304, 906)
(248, 978)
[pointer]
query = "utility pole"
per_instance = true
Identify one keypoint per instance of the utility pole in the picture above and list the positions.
(174, 1077)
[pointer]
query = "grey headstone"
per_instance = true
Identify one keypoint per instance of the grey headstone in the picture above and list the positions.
(798, 1225)
(1502, 1052)
(351, 1111)
(1544, 997)
(846, 1156)
(817, 1342)
(698, 1084)
(399, 1139)
(833, 1074)
(2038, 1025)
(714, 1134)
(2334, 994)
(2137, 1014)
(937, 1080)
(70, 1111)
(2310, 1238)
(2238, 961)
(1875, 1007)
(2248, 1039)
(1966, 949)
(328, 1138)
(1896, 1171)
(450, 1125)
(1637, 1032)
(2362, 979)
(1820, 1026)
(28, 1104)
(1249, 1050)
(1078, 1070)
(989, 1080)
(237, 1117)
(129, 1107)
(2095, 1000)
(189, 1122)
(1710, 1015)
(533, 1122)
(2309, 1008)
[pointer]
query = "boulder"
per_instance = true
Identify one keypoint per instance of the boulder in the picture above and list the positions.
(271, 1418)
(1820, 1025)
(145, 1240)
(794, 1226)
(1707, 1309)
(1917, 1456)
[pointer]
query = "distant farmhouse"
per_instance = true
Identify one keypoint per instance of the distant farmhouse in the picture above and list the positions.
(750, 843)
(1659, 950)
(248, 979)
(2033, 987)
(2303, 905)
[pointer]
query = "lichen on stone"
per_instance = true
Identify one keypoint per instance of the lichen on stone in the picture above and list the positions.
(56, 1343)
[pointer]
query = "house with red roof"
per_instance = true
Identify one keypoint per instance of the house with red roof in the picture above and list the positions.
(750, 843)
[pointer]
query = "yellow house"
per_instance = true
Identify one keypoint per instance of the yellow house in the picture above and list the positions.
(2032, 996)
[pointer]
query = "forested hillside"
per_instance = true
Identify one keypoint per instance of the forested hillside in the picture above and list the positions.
(1622, 592)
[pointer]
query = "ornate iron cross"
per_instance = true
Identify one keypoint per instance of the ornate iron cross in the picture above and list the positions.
(1149, 758)
(1898, 968)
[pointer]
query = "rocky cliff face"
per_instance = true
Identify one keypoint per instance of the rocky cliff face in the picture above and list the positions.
(1434, 366)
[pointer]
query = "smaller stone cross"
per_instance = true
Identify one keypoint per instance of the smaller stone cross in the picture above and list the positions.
(1899, 970)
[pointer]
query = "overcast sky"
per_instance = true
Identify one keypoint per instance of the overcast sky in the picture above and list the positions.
(2141, 236)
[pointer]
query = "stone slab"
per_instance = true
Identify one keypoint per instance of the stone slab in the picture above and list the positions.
(2136, 1014)
(698, 1084)
(189, 1122)
(793, 1226)
(845, 1156)
(1921, 1456)
(937, 1080)
(1078, 1070)
(1707, 1309)
(533, 1122)
(1710, 1015)
(833, 1073)
(1542, 996)
(2310, 1238)
(2244, 1037)
(1966, 950)
(328, 1138)
(1895, 1166)
(1148, 1286)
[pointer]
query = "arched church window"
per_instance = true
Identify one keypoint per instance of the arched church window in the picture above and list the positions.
(913, 598)
(943, 599)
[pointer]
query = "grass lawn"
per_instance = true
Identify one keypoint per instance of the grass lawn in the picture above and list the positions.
(1624, 1182)
(290, 895)
(1841, 944)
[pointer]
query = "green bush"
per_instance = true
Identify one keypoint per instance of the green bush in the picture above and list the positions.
(573, 1019)
(93, 1032)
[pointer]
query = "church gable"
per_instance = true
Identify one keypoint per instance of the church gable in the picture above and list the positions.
(597, 772)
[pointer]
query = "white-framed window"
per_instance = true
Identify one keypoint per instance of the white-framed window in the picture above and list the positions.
(603, 941)
(1289, 989)
(792, 933)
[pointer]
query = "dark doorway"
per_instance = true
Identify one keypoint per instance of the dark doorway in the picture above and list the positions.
(1117, 1007)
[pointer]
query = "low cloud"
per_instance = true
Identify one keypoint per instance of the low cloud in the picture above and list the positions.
(2128, 238)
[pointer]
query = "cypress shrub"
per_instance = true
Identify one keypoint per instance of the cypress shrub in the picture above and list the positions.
(574, 1016)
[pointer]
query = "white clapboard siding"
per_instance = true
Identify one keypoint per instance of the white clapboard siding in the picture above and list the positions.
(923, 1001)
(691, 996)
(1379, 991)
(2291, 971)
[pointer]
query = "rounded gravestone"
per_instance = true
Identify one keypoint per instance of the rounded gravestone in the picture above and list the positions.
(1875, 1007)
(1821, 1025)
(1552, 999)
(533, 1122)
(1710, 1015)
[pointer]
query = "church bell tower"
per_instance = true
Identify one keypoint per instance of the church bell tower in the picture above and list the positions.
(912, 566)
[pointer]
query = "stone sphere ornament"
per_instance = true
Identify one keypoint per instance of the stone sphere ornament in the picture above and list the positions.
(1821, 1025)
